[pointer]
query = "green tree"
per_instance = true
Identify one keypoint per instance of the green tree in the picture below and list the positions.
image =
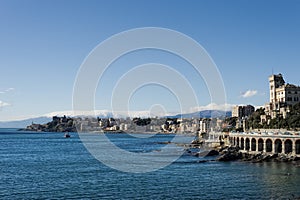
(293, 117)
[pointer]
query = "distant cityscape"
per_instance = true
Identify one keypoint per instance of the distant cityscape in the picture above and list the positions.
(244, 117)
(283, 98)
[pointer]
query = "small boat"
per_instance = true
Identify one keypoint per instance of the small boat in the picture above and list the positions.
(67, 135)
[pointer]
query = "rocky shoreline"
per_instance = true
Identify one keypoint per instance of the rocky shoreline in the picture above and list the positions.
(233, 153)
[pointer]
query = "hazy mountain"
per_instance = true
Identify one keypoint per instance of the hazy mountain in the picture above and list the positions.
(204, 114)
(100, 113)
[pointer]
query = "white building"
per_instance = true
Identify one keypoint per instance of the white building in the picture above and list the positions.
(282, 96)
(204, 126)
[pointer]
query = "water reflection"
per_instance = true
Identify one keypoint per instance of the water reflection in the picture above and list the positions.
(280, 180)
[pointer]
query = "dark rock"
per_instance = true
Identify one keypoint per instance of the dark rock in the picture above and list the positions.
(296, 158)
(229, 157)
(246, 157)
(266, 158)
(230, 154)
(257, 158)
(282, 158)
(202, 161)
(274, 156)
(199, 142)
(223, 149)
(168, 142)
(201, 153)
(212, 153)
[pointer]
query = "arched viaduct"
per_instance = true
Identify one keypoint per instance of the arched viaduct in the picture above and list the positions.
(285, 144)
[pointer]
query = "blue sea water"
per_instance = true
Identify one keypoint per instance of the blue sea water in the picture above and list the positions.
(49, 166)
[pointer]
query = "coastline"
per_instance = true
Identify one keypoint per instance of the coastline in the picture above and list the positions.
(234, 154)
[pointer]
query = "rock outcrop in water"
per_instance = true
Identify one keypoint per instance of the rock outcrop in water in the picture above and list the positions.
(230, 154)
(58, 124)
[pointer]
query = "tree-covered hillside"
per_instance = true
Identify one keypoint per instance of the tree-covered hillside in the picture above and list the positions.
(292, 121)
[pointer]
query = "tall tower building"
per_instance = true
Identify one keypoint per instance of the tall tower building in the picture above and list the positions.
(282, 96)
(275, 81)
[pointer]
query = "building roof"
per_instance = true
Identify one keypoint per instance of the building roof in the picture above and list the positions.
(291, 86)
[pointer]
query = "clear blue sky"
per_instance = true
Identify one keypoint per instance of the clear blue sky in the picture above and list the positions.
(43, 43)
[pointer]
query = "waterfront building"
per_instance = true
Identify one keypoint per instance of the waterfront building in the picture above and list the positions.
(282, 96)
(204, 126)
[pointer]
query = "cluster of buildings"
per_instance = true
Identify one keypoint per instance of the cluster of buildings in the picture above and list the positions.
(202, 125)
(282, 96)
(162, 125)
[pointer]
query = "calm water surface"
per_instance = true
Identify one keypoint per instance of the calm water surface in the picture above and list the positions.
(49, 166)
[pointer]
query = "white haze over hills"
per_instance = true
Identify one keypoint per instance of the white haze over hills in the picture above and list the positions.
(42, 119)
(214, 106)
(203, 111)
(107, 113)
(142, 114)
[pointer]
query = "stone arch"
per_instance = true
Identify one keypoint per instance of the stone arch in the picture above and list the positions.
(238, 141)
(298, 147)
(288, 146)
(253, 144)
(242, 143)
(278, 146)
(269, 145)
(260, 144)
(247, 144)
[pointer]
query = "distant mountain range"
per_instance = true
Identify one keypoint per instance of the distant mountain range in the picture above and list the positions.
(204, 114)
(107, 114)
(25, 122)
